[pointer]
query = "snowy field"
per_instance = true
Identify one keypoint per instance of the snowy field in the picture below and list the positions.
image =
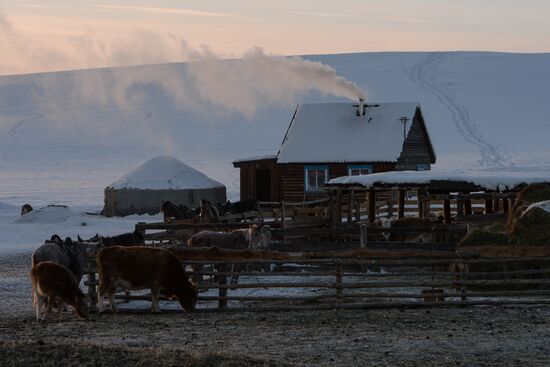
(58, 145)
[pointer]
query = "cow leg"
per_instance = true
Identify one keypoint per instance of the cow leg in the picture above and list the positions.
(155, 300)
(38, 300)
(111, 295)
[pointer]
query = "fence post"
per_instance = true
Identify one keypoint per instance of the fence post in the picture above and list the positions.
(338, 282)
(402, 197)
(222, 281)
(364, 233)
(92, 293)
(372, 206)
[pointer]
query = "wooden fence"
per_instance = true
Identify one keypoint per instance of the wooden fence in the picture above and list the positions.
(335, 282)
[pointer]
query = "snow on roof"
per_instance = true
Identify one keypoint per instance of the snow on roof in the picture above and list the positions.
(332, 132)
(256, 158)
(489, 180)
(164, 172)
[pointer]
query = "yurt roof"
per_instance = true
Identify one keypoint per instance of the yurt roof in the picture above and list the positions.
(165, 173)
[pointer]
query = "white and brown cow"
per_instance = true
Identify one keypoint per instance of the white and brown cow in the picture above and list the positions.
(138, 267)
(253, 238)
(55, 284)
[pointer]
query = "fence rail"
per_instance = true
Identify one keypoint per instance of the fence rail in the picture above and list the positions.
(348, 283)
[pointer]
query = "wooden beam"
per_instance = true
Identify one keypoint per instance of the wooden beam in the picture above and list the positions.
(401, 203)
(350, 206)
(505, 206)
(468, 207)
(496, 205)
(488, 206)
(447, 211)
(372, 205)
(338, 209)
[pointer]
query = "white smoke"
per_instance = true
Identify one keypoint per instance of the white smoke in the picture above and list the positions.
(206, 84)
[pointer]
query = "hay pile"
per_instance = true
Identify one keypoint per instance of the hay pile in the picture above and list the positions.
(528, 225)
(527, 234)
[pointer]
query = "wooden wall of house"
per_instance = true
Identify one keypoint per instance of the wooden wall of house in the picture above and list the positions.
(248, 178)
(416, 149)
(292, 178)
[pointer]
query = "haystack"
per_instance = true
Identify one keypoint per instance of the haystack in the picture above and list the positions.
(527, 235)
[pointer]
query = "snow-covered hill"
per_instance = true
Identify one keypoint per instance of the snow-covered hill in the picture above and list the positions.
(65, 136)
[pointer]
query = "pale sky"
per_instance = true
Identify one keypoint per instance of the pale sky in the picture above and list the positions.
(283, 27)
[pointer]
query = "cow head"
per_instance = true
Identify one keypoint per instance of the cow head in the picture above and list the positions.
(259, 237)
(188, 297)
(81, 306)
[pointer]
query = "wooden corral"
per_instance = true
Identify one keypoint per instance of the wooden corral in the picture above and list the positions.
(360, 278)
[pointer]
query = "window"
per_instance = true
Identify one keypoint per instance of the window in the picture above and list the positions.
(423, 167)
(357, 170)
(315, 177)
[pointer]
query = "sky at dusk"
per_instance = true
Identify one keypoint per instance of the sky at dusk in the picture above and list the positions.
(63, 34)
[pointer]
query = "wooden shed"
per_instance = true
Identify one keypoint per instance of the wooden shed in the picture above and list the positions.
(329, 140)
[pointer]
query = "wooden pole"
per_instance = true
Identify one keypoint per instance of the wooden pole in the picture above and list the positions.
(364, 233)
(468, 207)
(338, 283)
(460, 207)
(505, 206)
(426, 208)
(350, 206)
(372, 205)
(338, 212)
(419, 203)
(488, 206)
(222, 281)
(496, 205)
(330, 207)
(447, 211)
(401, 203)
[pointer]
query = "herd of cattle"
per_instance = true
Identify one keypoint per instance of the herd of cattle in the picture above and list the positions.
(123, 263)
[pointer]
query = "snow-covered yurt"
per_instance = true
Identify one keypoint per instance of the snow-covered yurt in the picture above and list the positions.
(143, 190)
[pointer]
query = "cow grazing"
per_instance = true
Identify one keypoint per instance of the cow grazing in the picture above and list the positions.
(172, 211)
(26, 208)
(68, 254)
(126, 239)
(136, 268)
(55, 284)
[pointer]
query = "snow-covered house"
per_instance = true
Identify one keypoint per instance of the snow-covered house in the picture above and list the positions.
(143, 190)
(328, 140)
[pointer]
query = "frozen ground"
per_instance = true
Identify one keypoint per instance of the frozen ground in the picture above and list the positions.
(473, 336)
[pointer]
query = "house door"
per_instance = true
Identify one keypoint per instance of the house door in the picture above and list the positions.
(263, 184)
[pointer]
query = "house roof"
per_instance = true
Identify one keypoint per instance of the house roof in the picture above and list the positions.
(255, 158)
(332, 132)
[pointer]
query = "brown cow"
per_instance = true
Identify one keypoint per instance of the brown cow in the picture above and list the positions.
(135, 268)
(55, 284)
